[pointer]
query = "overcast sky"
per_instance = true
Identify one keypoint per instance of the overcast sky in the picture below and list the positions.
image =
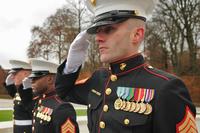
(16, 19)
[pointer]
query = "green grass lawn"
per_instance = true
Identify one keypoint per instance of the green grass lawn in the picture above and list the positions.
(81, 112)
(6, 115)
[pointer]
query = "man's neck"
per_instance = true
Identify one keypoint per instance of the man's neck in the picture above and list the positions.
(50, 89)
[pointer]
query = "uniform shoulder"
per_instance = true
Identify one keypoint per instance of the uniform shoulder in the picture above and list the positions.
(64, 110)
(159, 73)
(102, 71)
(64, 105)
(64, 117)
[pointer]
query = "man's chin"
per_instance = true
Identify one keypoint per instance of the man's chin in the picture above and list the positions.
(104, 59)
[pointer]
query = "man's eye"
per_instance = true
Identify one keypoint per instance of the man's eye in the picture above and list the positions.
(105, 30)
(108, 29)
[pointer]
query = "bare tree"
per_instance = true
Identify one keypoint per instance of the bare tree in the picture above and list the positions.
(185, 15)
(83, 17)
(54, 37)
(93, 60)
(39, 44)
(155, 47)
(175, 22)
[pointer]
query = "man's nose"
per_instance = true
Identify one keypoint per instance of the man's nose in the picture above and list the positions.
(100, 37)
(32, 81)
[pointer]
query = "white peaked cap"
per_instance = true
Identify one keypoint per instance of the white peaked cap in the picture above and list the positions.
(43, 65)
(18, 64)
(115, 11)
(143, 7)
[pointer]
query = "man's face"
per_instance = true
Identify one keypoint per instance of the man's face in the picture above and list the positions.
(19, 76)
(39, 85)
(114, 42)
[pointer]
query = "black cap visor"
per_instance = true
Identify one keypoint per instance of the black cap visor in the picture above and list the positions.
(38, 74)
(14, 70)
(112, 17)
(95, 26)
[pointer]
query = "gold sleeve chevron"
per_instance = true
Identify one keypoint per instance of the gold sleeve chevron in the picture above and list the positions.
(187, 124)
(68, 127)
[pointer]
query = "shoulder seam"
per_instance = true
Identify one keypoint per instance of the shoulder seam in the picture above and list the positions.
(57, 99)
(102, 68)
(156, 74)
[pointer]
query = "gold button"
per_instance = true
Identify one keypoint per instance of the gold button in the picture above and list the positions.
(105, 108)
(89, 105)
(43, 95)
(122, 66)
(137, 13)
(40, 101)
(33, 120)
(126, 121)
(33, 128)
(93, 2)
(150, 67)
(108, 91)
(102, 124)
(113, 77)
(40, 121)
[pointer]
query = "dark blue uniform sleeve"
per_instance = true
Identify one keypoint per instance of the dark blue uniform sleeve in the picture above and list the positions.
(11, 89)
(64, 119)
(172, 107)
(26, 95)
(27, 99)
(67, 90)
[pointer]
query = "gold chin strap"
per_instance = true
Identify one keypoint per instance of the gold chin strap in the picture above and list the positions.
(93, 2)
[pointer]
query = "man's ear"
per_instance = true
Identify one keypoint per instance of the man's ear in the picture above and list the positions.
(50, 79)
(137, 35)
(25, 73)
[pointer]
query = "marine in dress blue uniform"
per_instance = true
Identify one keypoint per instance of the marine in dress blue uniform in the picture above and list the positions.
(22, 119)
(130, 96)
(50, 113)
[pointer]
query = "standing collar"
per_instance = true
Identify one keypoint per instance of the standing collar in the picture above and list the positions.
(127, 64)
(52, 93)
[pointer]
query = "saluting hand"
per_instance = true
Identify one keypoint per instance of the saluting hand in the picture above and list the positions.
(26, 83)
(9, 79)
(77, 53)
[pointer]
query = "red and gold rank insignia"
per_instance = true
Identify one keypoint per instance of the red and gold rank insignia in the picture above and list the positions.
(188, 124)
(68, 127)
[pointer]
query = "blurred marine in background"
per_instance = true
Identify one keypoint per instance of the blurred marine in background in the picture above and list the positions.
(50, 113)
(22, 119)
